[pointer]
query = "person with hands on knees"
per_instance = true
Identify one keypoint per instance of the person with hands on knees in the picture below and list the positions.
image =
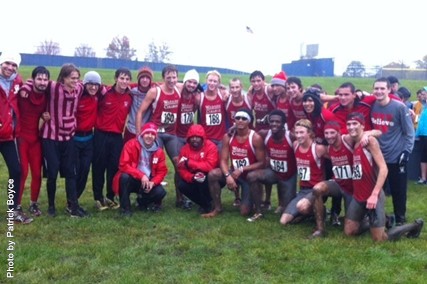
(142, 168)
(196, 159)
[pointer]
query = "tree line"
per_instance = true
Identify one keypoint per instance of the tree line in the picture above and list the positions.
(357, 68)
(119, 48)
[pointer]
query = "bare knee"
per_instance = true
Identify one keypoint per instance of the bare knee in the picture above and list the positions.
(351, 228)
(378, 234)
(252, 176)
(320, 189)
(305, 207)
(286, 218)
(215, 175)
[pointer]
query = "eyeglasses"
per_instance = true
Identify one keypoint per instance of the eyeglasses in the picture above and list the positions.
(240, 118)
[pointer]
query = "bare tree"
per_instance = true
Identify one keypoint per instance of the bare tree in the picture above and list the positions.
(422, 64)
(48, 48)
(158, 54)
(119, 48)
(84, 50)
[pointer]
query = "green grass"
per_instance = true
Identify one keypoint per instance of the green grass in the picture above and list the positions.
(176, 246)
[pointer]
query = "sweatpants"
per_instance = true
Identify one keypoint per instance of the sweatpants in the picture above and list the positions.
(9, 151)
(106, 156)
(59, 158)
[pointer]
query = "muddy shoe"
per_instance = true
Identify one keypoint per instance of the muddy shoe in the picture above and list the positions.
(415, 233)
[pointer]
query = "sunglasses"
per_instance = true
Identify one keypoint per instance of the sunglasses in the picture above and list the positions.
(240, 118)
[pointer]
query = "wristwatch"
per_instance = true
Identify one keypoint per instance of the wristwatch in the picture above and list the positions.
(227, 175)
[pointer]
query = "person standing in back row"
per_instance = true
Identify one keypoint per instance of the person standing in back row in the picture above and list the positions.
(212, 109)
(113, 109)
(32, 108)
(87, 110)
(10, 81)
(57, 136)
(144, 82)
(394, 120)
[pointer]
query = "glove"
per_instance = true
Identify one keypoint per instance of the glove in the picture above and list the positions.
(403, 158)
(199, 177)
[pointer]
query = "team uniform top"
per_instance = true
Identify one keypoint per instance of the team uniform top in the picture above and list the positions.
(31, 109)
(113, 109)
(310, 167)
(364, 174)
(342, 162)
(212, 117)
(242, 154)
(319, 124)
(165, 111)
(363, 106)
(231, 109)
(86, 113)
(283, 106)
(282, 157)
(186, 111)
(262, 107)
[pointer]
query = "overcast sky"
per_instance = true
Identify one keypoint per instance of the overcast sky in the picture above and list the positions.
(213, 33)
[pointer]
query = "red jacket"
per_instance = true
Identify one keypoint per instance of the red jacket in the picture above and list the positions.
(203, 160)
(129, 164)
(9, 113)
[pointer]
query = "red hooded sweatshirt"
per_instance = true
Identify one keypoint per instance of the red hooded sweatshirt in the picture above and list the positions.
(201, 160)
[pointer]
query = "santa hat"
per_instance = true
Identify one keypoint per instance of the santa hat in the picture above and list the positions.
(149, 128)
(279, 79)
(10, 56)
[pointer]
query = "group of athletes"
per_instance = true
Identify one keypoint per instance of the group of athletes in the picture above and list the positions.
(215, 136)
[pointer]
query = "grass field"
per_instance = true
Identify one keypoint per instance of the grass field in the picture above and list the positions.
(176, 246)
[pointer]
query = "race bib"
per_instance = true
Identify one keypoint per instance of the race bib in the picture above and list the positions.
(304, 173)
(357, 171)
(168, 117)
(342, 172)
(213, 119)
(279, 166)
(238, 163)
(187, 117)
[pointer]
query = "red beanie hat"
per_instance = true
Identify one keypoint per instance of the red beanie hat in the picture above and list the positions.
(149, 128)
(279, 79)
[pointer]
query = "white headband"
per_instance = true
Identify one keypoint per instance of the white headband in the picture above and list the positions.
(243, 114)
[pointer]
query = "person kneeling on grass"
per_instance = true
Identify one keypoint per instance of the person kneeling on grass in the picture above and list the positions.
(142, 168)
(369, 174)
(196, 159)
